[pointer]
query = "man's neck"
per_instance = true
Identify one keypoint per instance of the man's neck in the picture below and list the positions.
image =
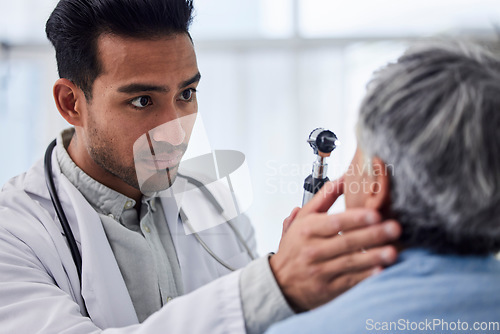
(80, 156)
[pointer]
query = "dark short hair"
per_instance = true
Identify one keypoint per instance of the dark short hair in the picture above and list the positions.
(75, 26)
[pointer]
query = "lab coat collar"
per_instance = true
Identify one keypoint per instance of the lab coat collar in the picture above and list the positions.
(103, 287)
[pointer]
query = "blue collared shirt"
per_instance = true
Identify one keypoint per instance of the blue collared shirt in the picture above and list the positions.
(423, 292)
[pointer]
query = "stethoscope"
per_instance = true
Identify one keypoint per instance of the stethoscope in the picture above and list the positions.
(75, 253)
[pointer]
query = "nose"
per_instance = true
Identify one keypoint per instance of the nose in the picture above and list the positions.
(170, 132)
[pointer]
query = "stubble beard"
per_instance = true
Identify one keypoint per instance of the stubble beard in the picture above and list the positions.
(102, 150)
(104, 154)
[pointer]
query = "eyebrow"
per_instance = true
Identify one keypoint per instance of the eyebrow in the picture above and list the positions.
(138, 87)
(188, 82)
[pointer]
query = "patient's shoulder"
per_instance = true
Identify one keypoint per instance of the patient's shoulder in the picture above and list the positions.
(420, 287)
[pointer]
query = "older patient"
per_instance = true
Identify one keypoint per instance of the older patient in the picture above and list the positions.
(428, 155)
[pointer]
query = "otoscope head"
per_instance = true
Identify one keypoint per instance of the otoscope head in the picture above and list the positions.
(323, 141)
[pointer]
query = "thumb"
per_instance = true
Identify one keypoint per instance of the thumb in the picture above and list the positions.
(325, 198)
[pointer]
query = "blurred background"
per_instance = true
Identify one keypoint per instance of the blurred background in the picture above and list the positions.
(273, 70)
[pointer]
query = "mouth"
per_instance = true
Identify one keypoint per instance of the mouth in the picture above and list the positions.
(163, 161)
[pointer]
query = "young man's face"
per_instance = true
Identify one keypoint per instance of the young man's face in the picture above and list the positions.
(143, 108)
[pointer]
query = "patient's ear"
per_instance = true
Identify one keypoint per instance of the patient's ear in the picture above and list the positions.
(379, 185)
(69, 101)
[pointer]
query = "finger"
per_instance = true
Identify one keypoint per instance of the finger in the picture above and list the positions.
(354, 241)
(288, 220)
(294, 213)
(323, 225)
(358, 261)
(325, 198)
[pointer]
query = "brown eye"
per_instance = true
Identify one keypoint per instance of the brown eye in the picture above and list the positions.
(141, 101)
(187, 94)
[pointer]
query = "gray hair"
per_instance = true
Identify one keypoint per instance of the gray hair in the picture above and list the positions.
(434, 116)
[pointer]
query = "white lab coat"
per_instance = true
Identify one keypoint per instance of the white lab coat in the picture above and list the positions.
(39, 285)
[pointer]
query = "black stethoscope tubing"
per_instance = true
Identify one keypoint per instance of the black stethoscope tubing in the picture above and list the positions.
(75, 253)
(73, 247)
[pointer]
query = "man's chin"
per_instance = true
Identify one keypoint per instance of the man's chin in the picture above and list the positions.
(159, 181)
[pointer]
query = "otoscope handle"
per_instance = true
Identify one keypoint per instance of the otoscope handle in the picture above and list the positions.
(312, 186)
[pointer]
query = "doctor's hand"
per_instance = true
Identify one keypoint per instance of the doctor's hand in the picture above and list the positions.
(288, 220)
(315, 263)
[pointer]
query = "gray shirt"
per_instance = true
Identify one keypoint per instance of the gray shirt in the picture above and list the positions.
(145, 253)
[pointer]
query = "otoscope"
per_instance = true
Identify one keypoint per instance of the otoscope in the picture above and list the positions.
(323, 143)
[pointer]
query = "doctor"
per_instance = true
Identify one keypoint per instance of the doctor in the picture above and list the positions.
(128, 78)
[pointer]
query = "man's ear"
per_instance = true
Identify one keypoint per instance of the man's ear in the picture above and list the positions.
(379, 186)
(69, 101)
